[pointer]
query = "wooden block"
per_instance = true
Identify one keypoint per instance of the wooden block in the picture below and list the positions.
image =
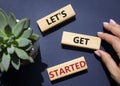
(56, 18)
(81, 40)
(67, 68)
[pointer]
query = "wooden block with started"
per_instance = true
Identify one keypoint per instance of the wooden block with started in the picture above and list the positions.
(80, 40)
(56, 18)
(67, 68)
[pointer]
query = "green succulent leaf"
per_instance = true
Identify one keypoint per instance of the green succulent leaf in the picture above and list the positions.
(1, 39)
(6, 39)
(3, 18)
(19, 27)
(27, 23)
(31, 60)
(29, 47)
(34, 37)
(15, 63)
(3, 21)
(12, 20)
(0, 49)
(8, 30)
(22, 42)
(16, 38)
(23, 55)
(11, 50)
(4, 13)
(1, 68)
(5, 63)
(2, 32)
(27, 33)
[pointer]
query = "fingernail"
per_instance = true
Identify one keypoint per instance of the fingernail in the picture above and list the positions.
(105, 23)
(112, 21)
(99, 33)
(97, 53)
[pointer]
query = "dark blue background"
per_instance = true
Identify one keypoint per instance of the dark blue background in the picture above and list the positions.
(89, 17)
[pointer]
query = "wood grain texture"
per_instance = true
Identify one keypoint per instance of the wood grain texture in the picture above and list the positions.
(56, 18)
(67, 68)
(81, 40)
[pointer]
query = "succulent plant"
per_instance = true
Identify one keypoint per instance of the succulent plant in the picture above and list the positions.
(16, 41)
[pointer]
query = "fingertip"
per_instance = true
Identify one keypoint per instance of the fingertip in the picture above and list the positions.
(97, 53)
(105, 23)
(112, 21)
(105, 57)
(101, 53)
(99, 33)
(108, 61)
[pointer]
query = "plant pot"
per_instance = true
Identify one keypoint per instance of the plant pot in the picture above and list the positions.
(33, 53)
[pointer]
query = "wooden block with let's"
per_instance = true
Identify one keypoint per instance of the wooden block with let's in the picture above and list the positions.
(81, 40)
(67, 68)
(56, 18)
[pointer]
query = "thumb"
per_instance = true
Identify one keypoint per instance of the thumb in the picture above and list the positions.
(108, 61)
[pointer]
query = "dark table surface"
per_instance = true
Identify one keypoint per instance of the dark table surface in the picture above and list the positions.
(90, 14)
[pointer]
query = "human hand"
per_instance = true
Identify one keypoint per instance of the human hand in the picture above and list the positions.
(114, 40)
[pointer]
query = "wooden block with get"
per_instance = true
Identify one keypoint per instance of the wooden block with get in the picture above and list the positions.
(67, 68)
(56, 18)
(81, 40)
